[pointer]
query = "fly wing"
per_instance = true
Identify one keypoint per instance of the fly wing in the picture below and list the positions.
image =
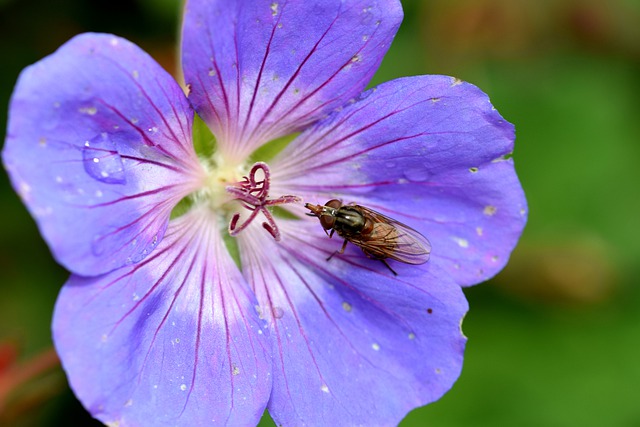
(393, 239)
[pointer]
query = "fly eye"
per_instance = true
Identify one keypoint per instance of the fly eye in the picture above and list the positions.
(334, 203)
(327, 221)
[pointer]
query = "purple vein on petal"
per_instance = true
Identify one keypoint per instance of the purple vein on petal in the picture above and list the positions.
(301, 254)
(196, 353)
(153, 256)
(323, 85)
(238, 77)
(133, 197)
(326, 313)
(312, 112)
(294, 75)
(255, 277)
(212, 105)
(176, 294)
(148, 142)
(140, 160)
(150, 101)
(327, 148)
(260, 72)
(298, 322)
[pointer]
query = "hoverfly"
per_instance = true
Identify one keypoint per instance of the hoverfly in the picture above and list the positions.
(379, 236)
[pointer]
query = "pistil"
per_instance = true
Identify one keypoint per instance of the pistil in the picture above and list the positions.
(253, 194)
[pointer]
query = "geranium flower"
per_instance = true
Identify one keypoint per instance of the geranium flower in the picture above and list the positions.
(158, 325)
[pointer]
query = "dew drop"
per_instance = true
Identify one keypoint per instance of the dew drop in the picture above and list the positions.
(88, 110)
(463, 243)
(324, 388)
(346, 306)
(102, 161)
(277, 312)
(183, 387)
(25, 188)
(416, 173)
(375, 346)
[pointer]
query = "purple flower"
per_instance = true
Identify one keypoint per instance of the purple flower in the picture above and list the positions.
(158, 325)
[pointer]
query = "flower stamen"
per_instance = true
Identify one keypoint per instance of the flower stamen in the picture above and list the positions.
(253, 194)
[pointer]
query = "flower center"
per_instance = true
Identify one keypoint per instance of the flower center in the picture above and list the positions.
(253, 194)
(224, 190)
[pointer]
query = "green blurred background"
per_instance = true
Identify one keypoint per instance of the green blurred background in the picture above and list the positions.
(554, 340)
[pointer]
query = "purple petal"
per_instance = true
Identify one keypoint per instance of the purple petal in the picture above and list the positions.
(173, 340)
(99, 148)
(259, 70)
(353, 344)
(430, 152)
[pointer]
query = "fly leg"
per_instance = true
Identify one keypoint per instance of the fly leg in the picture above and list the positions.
(388, 266)
(341, 251)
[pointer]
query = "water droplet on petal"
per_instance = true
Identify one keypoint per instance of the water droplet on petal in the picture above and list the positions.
(278, 312)
(416, 173)
(102, 160)
(463, 243)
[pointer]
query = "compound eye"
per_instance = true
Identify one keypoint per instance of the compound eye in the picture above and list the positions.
(334, 203)
(327, 221)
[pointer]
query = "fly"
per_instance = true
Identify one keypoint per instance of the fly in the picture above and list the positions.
(379, 236)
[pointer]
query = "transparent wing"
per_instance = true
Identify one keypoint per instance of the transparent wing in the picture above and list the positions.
(393, 239)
